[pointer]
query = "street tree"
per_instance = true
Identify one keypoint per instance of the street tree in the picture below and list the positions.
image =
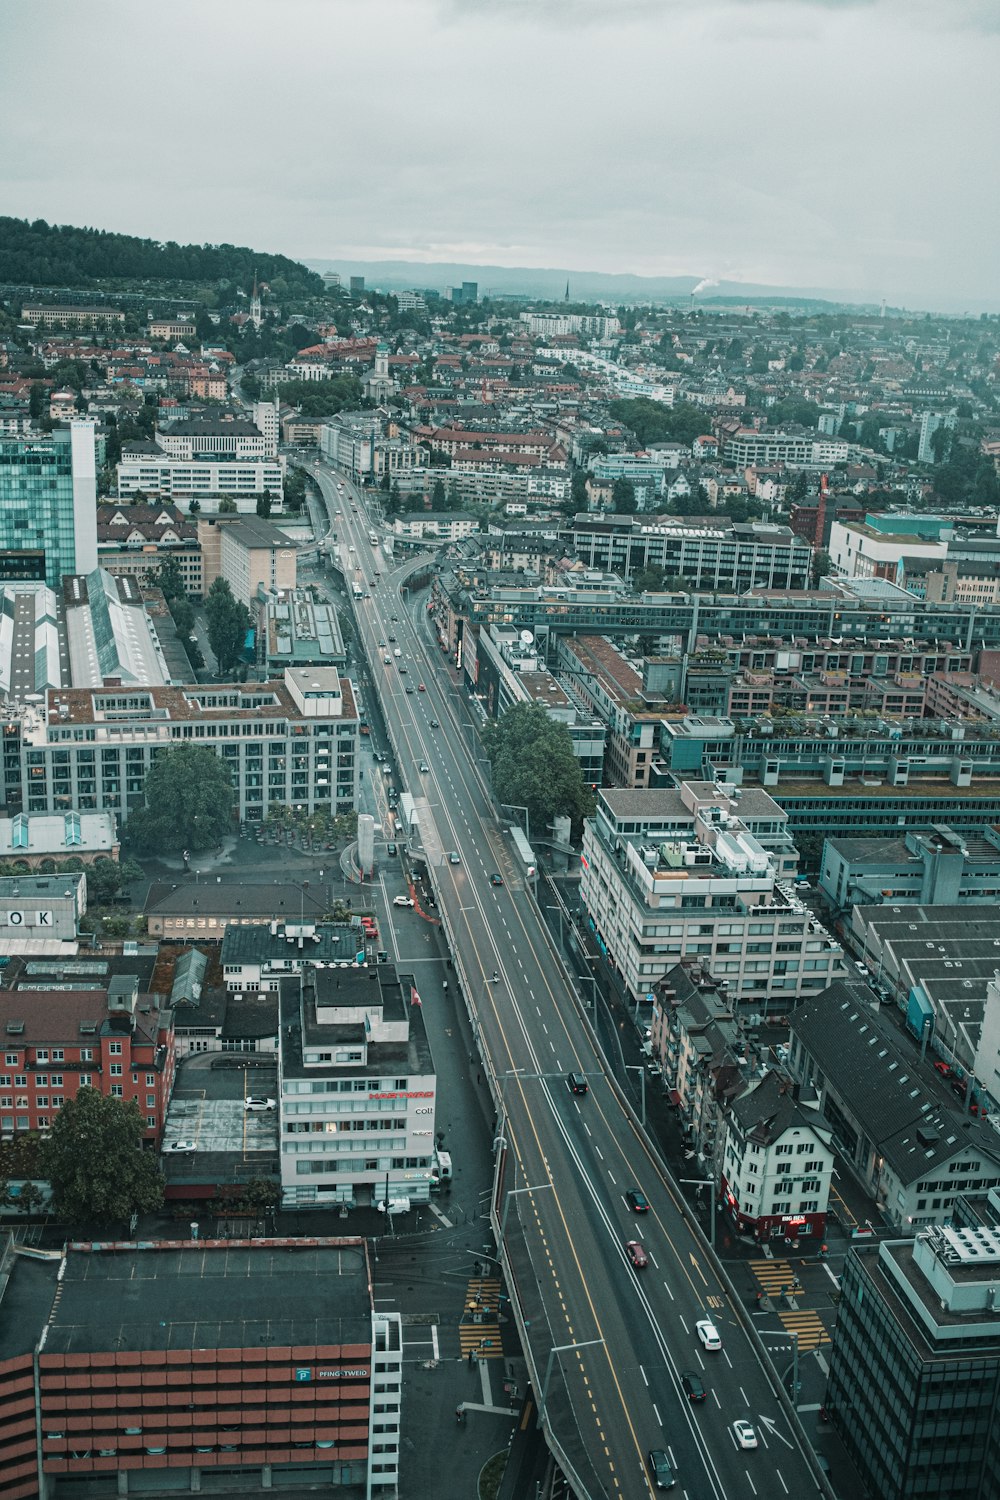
(188, 802)
(264, 504)
(623, 499)
(228, 623)
(95, 1162)
(533, 766)
(170, 579)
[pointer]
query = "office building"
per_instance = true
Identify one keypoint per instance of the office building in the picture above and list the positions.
(737, 556)
(137, 539)
(915, 1365)
(48, 505)
(357, 1087)
(202, 1366)
(255, 558)
(232, 438)
(199, 479)
(289, 742)
(687, 873)
(41, 316)
(897, 1120)
(926, 867)
(299, 631)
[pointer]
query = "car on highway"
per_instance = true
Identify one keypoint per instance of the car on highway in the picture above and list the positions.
(402, 900)
(403, 667)
(943, 1068)
(257, 1104)
(409, 687)
(692, 1385)
(179, 1146)
(636, 1253)
(661, 1469)
(421, 688)
(744, 1434)
(577, 1083)
(390, 849)
(454, 858)
(708, 1334)
(637, 1202)
(424, 767)
(496, 878)
(435, 724)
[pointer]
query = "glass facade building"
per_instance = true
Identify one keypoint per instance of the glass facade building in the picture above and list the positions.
(915, 1367)
(48, 505)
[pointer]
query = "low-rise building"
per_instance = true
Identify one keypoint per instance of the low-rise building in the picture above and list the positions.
(204, 911)
(926, 867)
(56, 1042)
(254, 558)
(441, 526)
(777, 1167)
(48, 836)
(41, 907)
(137, 539)
(894, 1118)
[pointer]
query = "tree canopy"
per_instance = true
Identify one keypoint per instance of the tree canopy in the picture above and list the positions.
(533, 766)
(321, 398)
(652, 422)
(228, 623)
(95, 1161)
(41, 254)
(188, 795)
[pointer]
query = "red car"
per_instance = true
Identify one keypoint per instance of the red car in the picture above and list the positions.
(637, 1255)
(943, 1068)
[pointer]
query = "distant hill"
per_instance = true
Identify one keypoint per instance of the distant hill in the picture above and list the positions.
(40, 254)
(596, 286)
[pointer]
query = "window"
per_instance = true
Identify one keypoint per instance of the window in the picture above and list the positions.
(58, 1055)
(116, 1091)
(57, 1081)
(41, 1080)
(116, 1070)
(115, 1048)
(42, 1055)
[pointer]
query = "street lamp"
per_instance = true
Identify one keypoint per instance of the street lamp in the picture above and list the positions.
(558, 1349)
(536, 1188)
(637, 1068)
(705, 1182)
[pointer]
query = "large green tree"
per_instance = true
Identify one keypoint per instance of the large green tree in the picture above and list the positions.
(228, 623)
(95, 1161)
(533, 766)
(188, 795)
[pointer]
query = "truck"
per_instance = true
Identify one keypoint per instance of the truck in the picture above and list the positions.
(441, 1172)
(396, 652)
(373, 538)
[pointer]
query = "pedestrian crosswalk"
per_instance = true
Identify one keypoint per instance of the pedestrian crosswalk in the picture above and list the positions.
(775, 1276)
(479, 1331)
(808, 1325)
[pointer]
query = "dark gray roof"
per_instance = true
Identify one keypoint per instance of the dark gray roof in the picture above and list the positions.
(768, 1109)
(883, 1083)
(196, 427)
(282, 901)
(327, 942)
(199, 1297)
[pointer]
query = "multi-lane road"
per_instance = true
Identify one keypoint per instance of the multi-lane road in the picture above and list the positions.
(608, 1343)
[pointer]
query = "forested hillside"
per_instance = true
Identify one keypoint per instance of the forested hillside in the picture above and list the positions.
(40, 254)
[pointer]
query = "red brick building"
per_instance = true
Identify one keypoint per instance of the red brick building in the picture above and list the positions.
(58, 1041)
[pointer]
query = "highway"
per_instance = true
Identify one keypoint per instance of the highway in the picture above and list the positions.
(607, 1343)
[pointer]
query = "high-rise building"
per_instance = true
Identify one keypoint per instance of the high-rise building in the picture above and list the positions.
(48, 504)
(915, 1366)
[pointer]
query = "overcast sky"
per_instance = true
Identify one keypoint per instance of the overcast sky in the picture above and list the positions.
(847, 144)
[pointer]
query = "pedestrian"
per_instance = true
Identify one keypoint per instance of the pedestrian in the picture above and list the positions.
(479, 1077)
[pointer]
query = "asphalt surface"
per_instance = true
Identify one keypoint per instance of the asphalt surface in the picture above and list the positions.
(608, 1342)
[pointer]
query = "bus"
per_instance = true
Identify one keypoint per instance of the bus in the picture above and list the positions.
(373, 538)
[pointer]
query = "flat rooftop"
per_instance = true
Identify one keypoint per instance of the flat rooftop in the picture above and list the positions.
(199, 1295)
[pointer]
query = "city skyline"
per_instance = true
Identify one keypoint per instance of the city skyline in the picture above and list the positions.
(799, 143)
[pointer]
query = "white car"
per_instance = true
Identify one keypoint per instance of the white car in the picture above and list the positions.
(256, 1104)
(402, 900)
(744, 1434)
(179, 1146)
(708, 1333)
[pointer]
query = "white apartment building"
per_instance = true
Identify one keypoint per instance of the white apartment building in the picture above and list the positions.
(191, 479)
(357, 1088)
(800, 450)
(777, 1165)
(674, 874)
(196, 437)
(861, 551)
(290, 742)
(728, 559)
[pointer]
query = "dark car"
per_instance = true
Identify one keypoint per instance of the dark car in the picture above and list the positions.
(390, 849)
(577, 1082)
(694, 1386)
(659, 1467)
(496, 878)
(637, 1202)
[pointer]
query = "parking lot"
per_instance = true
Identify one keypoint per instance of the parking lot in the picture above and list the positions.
(208, 1105)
